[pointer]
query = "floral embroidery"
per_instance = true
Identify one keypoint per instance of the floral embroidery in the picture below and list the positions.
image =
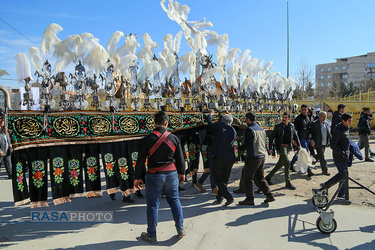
(74, 171)
(204, 153)
(108, 159)
(235, 146)
(19, 170)
(123, 165)
(192, 151)
(38, 172)
(91, 168)
(186, 149)
(58, 169)
(134, 159)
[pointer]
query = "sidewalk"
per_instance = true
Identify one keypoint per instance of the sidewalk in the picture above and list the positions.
(287, 223)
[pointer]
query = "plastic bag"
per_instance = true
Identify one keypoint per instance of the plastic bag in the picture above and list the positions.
(304, 161)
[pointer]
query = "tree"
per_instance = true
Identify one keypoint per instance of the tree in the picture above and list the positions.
(304, 80)
(338, 89)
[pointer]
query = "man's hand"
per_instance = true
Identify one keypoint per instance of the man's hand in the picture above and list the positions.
(312, 143)
(137, 184)
(181, 178)
(1, 153)
(211, 111)
(299, 147)
(270, 152)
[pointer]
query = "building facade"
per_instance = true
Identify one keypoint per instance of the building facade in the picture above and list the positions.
(357, 69)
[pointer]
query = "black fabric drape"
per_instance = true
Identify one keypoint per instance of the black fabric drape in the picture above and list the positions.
(19, 165)
(37, 158)
(111, 169)
(92, 171)
(75, 165)
(121, 156)
(59, 174)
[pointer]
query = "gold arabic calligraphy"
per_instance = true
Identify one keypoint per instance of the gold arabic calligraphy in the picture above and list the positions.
(66, 126)
(28, 127)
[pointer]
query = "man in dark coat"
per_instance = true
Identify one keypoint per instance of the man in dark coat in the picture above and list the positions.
(340, 145)
(284, 134)
(364, 132)
(336, 118)
(223, 154)
(320, 138)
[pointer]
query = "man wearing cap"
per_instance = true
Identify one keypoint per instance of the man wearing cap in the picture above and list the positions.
(255, 146)
(166, 167)
(223, 155)
(5, 146)
(337, 115)
(317, 111)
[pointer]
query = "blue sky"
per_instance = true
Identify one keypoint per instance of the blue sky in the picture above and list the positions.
(320, 31)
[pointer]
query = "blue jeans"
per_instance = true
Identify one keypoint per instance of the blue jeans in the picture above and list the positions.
(154, 188)
(341, 167)
(304, 144)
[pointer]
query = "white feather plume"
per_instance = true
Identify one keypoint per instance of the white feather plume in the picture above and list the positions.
(23, 67)
(50, 38)
(112, 44)
(35, 58)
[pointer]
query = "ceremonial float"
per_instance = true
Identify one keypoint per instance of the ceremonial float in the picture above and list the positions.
(101, 110)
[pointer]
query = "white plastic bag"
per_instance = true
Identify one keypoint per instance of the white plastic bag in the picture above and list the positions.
(304, 161)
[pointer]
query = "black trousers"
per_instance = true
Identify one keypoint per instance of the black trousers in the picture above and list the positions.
(254, 171)
(222, 169)
(321, 159)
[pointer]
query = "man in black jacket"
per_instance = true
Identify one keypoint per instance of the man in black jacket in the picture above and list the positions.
(283, 134)
(364, 132)
(336, 118)
(320, 138)
(302, 124)
(166, 167)
(340, 145)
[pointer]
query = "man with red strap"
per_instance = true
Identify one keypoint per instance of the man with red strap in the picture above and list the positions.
(166, 167)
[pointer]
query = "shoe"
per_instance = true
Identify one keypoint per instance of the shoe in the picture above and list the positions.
(229, 202)
(150, 239)
(246, 202)
(310, 173)
(215, 191)
(372, 154)
(326, 173)
(181, 188)
(290, 186)
(292, 169)
(112, 196)
(258, 191)
(127, 199)
(219, 200)
(200, 187)
(269, 199)
(268, 179)
(369, 160)
(238, 191)
(181, 233)
(139, 194)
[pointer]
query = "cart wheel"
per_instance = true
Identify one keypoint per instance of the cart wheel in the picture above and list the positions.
(328, 228)
(321, 204)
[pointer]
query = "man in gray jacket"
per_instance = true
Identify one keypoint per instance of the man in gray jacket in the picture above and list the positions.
(5, 146)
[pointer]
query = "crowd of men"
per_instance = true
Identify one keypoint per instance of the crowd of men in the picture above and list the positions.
(166, 165)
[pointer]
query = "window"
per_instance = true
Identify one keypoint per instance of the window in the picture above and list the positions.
(328, 84)
(321, 69)
(344, 76)
(346, 84)
(321, 77)
(336, 68)
(322, 84)
(343, 67)
(329, 76)
(370, 65)
(329, 69)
